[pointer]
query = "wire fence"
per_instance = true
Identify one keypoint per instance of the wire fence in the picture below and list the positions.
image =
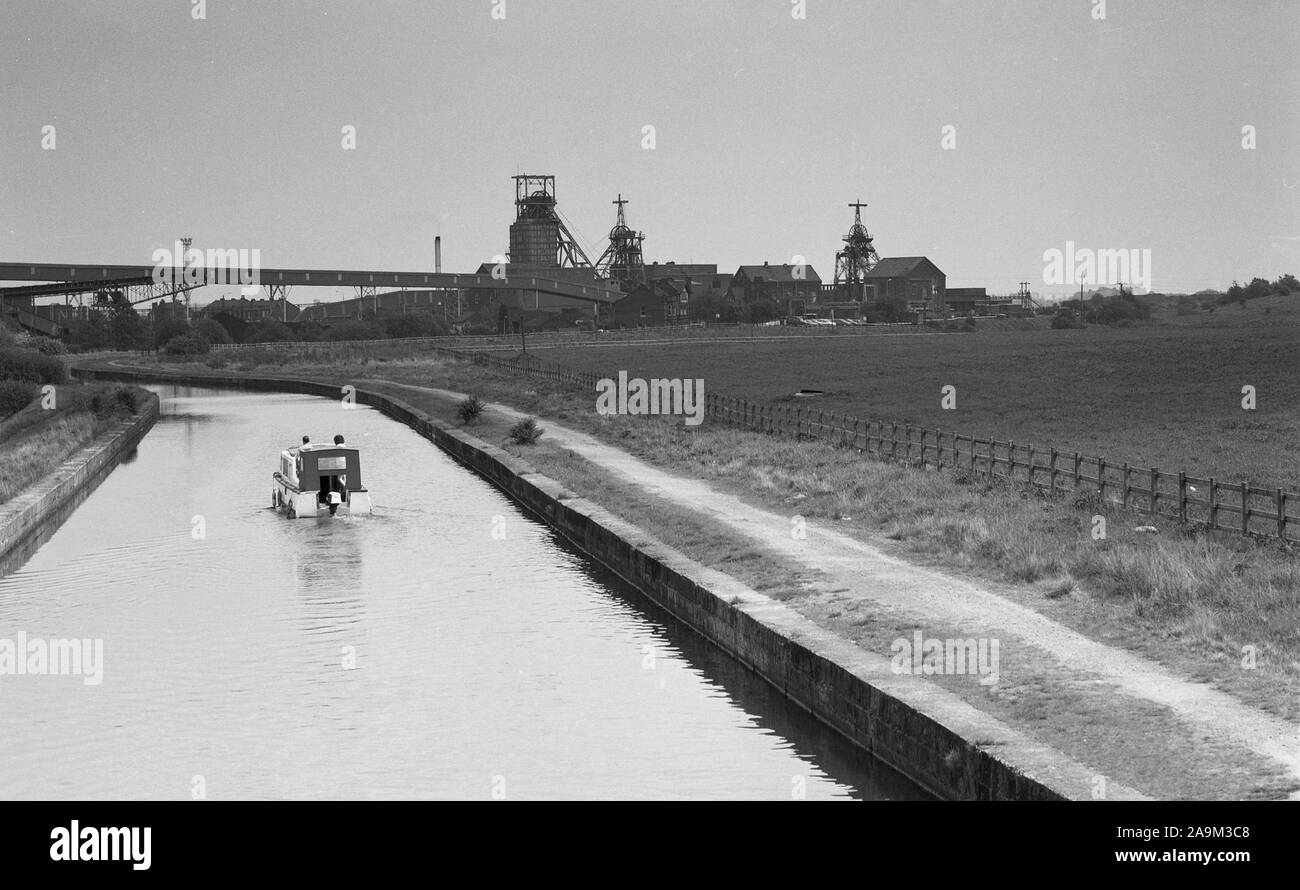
(1212, 503)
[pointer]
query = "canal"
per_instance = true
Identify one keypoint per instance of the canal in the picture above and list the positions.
(447, 646)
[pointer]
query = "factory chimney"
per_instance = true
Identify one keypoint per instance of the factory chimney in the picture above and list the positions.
(437, 253)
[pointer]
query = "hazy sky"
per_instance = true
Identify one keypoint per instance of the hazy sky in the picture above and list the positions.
(1124, 132)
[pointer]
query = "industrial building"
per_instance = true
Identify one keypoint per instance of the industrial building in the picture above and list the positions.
(252, 311)
(790, 287)
(911, 280)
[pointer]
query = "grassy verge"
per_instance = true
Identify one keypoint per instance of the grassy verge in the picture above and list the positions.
(37, 439)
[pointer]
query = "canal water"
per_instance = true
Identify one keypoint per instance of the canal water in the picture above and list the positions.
(445, 647)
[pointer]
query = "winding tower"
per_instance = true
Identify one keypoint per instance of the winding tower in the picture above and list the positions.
(622, 260)
(857, 258)
(538, 236)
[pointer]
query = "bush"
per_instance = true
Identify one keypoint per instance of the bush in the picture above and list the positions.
(414, 324)
(525, 432)
(469, 409)
(47, 346)
(268, 331)
(16, 395)
(186, 345)
(128, 397)
(1065, 321)
(356, 330)
(212, 331)
(31, 366)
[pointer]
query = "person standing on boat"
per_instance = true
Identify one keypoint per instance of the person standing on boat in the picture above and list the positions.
(338, 440)
(306, 443)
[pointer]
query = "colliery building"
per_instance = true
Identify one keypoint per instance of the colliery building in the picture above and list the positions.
(253, 311)
(910, 280)
(790, 287)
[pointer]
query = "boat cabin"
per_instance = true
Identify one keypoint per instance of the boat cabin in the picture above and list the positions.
(322, 469)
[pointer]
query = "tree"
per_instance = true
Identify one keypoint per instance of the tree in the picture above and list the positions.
(90, 332)
(1286, 284)
(368, 329)
(414, 324)
(761, 311)
(1258, 287)
(268, 330)
(212, 330)
(127, 330)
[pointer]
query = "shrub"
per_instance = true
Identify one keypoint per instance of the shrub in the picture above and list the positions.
(1064, 321)
(356, 330)
(267, 331)
(525, 432)
(186, 345)
(46, 346)
(16, 395)
(469, 409)
(128, 397)
(414, 324)
(212, 331)
(31, 366)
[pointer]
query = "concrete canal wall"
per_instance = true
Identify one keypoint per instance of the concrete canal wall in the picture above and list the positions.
(30, 518)
(948, 747)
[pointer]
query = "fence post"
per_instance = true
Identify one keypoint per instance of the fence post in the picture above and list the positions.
(1214, 503)
(1076, 469)
(908, 434)
(1051, 475)
(1124, 500)
(1154, 499)
(1031, 465)
(893, 441)
(972, 453)
(1101, 477)
(1182, 496)
(1011, 460)
(1245, 507)
(1281, 514)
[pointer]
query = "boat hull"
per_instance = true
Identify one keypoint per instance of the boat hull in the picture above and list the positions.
(306, 504)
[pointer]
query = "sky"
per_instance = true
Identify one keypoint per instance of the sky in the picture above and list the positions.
(224, 121)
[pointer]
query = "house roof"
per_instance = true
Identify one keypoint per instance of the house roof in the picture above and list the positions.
(893, 267)
(783, 273)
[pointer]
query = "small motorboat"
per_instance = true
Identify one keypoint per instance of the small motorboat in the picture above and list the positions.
(317, 479)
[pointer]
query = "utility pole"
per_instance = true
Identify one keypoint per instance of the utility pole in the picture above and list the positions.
(186, 242)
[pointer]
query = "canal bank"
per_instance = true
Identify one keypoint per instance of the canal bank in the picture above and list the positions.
(943, 744)
(32, 516)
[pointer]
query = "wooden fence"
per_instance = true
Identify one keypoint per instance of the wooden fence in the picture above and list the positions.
(1234, 506)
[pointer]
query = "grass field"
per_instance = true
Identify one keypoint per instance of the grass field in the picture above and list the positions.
(40, 440)
(1167, 394)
